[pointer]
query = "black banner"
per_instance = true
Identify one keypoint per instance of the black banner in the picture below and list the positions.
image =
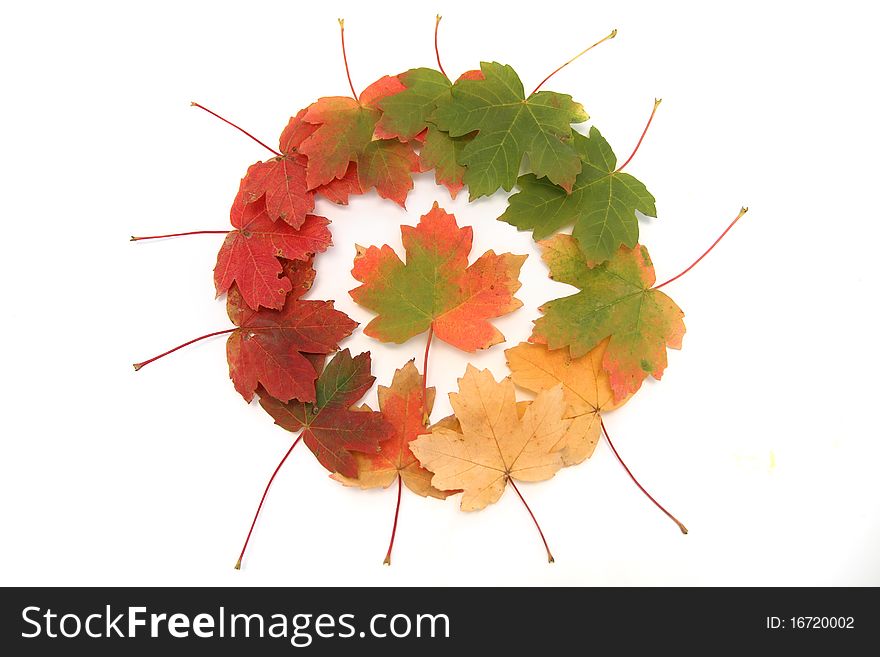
(113, 621)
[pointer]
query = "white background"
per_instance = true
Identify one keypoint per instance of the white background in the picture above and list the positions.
(762, 436)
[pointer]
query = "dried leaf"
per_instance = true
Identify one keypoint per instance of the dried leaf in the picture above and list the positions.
(493, 442)
(585, 388)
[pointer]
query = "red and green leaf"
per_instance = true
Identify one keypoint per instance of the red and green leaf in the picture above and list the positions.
(615, 300)
(344, 134)
(403, 406)
(436, 288)
(270, 347)
(331, 428)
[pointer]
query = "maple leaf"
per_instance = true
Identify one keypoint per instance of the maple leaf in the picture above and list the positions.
(337, 190)
(509, 126)
(387, 165)
(491, 442)
(331, 428)
(295, 133)
(442, 153)
(249, 256)
(435, 288)
(585, 388)
(281, 180)
(401, 404)
(602, 204)
(270, 346)
(617, 301)
(344, 134)
(405, 114)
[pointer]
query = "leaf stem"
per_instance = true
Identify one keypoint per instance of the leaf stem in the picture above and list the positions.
(636, 481)
(138, 366)
(387, 561)
(582, 52)
(550, 558)
(706, 252)
(426, 418)
(212, 113)
(657, 102)
(192, 232)
(345, 57)
(436, 46)
(263, 499)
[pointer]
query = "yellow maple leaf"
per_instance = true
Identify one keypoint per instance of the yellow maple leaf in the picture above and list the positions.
(487, 442)
(585, 387)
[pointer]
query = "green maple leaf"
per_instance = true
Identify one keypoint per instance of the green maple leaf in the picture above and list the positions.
(435, 288)
(509, 127)
(406, 116)
(442, 153)
(602, 204)
(616, 300)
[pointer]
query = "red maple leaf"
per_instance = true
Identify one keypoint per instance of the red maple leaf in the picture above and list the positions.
(331, 428)
(281, 180)
(269, 346)
(249, 254)
(337, 190)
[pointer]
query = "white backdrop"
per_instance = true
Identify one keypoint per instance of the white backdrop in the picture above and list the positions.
(762, 436)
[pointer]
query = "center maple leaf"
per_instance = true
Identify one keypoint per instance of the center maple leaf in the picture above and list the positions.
(436, 288)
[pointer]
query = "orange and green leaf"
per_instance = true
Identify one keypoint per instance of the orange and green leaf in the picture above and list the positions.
(402, 404)
(616, 301)
(436, 287)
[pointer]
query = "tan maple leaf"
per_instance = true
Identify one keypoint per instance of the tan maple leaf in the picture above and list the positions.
(585, 387)
(487, 442)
